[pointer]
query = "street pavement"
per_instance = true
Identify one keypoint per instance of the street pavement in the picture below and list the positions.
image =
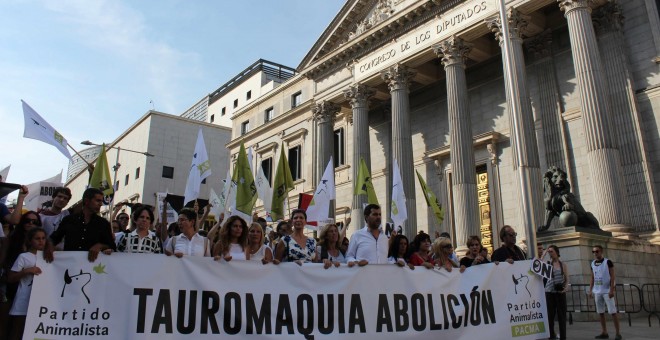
(639, 330)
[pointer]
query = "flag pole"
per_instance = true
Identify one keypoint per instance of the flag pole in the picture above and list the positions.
(79, 155)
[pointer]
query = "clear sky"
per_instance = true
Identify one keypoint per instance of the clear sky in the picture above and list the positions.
(91, 67)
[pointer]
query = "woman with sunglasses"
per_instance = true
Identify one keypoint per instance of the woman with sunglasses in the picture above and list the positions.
(189, 242)
(473, 256)
(442, 250)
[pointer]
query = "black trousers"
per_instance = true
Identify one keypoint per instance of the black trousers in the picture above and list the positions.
(556, 303)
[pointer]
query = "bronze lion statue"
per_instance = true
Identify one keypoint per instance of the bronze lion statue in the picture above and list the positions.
(560, 202)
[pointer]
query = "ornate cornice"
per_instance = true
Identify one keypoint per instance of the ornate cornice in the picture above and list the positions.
(398, 77)
(372, 40)
(358, 95)
(452, 51)
(517, 23)
(325, 112)
(384, 9)
(608, 18)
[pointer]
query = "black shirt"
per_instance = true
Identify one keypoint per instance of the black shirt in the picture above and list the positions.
(503, 253)
(82, 236)
(467, 262)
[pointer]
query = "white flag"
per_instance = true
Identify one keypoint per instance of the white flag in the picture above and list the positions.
(199, 169)
(214, 200)
(264, 190)
(322, 207)
(398, 210)
(4, 173)
(41, 192)
(37, 128)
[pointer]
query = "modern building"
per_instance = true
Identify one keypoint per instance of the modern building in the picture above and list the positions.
(424, 83)
(79, 162)
(171, 140)
(253, 82)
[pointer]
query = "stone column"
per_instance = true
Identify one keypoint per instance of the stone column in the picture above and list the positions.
(526, 161)
(603, 155)
(324, 114)
(540, 47)
(398, 79)
(639, 182)
(358, 96)
(464, 176)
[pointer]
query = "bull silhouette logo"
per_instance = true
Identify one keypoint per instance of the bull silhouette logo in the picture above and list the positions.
(79, 280)
(523, 280)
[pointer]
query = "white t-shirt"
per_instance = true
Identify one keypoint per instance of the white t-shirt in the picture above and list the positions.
(50, 223)
(22, 299)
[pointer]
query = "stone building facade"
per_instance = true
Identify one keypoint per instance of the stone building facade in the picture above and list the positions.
(424, 83)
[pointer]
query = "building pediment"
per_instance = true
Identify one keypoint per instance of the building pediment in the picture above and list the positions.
(359, 25)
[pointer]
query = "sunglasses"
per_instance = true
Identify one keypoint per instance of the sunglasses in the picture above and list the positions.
(512, 234)
(449, 246)
(595, 251)
(32, 221)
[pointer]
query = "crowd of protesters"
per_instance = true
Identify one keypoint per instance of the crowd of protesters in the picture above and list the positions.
(80, 228)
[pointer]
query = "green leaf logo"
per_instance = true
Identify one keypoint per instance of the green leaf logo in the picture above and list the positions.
(100, 269)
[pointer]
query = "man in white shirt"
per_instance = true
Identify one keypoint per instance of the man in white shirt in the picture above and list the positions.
(51, 217)
(369, 244)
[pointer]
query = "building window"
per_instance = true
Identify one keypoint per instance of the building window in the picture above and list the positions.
(339, 158)
(248, 95)
(224, 110)
(212, 118)
(294, 162)
(269, 115)
(137, 173)
(168, 172)
(245, 127)
(296, 99)
(126, 180)
(267, 167)
(235, 103)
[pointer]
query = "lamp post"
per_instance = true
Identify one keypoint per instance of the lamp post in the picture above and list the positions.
(115, 168)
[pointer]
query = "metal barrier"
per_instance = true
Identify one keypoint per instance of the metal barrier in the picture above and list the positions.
(651, 300)
(628, 300)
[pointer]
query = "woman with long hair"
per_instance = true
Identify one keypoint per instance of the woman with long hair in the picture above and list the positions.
(330, 250)
(233, 240)
(296, 247)
(555, 293)
(442, 250)
(256, 248)
(473, 255)
(420, 251)
(398, 251)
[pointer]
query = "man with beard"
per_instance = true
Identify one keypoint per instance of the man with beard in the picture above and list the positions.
(369, 244)
(86, 231)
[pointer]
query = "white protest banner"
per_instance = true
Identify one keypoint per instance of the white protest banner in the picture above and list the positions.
(131, 296)
(41, 193)
(172, 216)
(541, 268)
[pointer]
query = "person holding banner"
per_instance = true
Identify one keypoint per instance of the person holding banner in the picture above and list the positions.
(233, 240)
(555, 293)
(85, 231)
(509, 251)
(369, 244)
(141, 240)
(258, 250)
(22, 272)
(330, 251)
(473, 256)
(420, 251)
(189, 242)
(398, 251)
(296, 247)
(442, 249)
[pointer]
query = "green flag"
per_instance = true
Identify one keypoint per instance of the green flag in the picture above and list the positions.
(363, 184)
(101, 177)
(281, 186)
(431, 200)
(246, 190)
